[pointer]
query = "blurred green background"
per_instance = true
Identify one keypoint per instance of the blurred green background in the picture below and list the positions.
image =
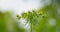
(45, 19)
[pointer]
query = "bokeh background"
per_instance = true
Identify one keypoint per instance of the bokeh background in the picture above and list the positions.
(29, 15)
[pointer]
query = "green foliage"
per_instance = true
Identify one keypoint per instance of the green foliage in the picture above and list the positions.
(8, 23)
(39, 19)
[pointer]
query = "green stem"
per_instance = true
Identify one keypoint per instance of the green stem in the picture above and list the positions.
(31, 26)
